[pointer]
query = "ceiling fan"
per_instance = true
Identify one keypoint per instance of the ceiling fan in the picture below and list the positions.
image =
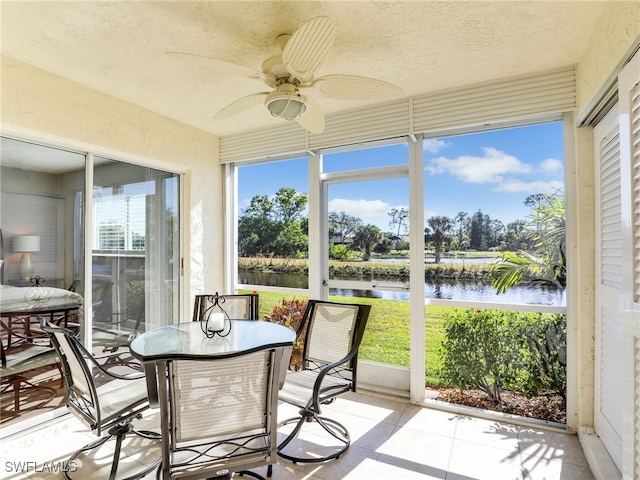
(293, 71)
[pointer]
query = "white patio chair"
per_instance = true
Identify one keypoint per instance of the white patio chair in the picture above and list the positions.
(241, 306)
(331, 333)
(218, 414)
(109, 406)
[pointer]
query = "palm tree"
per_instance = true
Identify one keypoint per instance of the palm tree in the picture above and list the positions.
(400, 217)
(547, 265)
(442, 228)
(366, 237)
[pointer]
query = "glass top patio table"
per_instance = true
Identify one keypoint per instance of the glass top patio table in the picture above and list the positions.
(187, 340)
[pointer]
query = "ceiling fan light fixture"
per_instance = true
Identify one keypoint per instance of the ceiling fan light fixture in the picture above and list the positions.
(285, 103)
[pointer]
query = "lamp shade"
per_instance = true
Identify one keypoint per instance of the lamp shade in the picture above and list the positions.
(285, 102)
(26, 243)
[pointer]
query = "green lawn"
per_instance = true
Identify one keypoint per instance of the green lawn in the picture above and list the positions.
(386, 338)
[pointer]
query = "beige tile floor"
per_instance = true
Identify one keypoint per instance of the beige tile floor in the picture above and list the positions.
(390, 440)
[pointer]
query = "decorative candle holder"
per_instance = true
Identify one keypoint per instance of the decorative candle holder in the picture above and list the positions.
(214, 320)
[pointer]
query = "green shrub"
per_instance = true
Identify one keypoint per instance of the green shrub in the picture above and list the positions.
(341, 252)
(545, 337)
(494, 350)
(479, 351)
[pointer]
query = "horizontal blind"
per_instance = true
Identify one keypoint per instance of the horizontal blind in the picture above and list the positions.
(279, 140)
(504, 100)
(510, 99)
(388, 120)
(42, 214)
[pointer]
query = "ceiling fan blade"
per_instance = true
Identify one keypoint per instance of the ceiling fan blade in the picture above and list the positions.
(313, 118)
(352, 87)
(308, 48)
(218, 65)
(241, 105)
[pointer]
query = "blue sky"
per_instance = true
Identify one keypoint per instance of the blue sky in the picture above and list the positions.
(488, 171)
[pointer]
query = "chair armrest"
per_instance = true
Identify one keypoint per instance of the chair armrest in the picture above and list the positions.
(101, 370)
(325, 370)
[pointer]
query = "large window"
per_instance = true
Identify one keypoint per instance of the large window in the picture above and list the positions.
(487, 199)
(490, 193)
(135, 267)
(495, 267)
(273, 223)
(120, 217)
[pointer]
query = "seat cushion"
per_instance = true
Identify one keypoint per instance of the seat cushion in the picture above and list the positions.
(118, 395)
(298, 387)
(27, 357)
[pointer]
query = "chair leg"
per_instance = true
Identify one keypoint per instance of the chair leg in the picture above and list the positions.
(335, 429)
(59, 366)
(18, 383)
(118, 432)
(247, 473)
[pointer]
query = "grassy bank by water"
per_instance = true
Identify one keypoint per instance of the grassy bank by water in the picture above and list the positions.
(386, 339)
(359, 270)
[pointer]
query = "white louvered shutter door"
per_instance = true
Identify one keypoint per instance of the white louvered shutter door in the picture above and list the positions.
(609, 279)
(629, 98)
(617, 167)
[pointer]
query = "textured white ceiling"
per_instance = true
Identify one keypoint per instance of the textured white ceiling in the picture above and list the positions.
(422, 46)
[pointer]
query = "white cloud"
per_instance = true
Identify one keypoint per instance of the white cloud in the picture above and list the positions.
(551, 165)
(515, 185)
(359, 208)
(490, 168)
(374, 212)
(434, 145)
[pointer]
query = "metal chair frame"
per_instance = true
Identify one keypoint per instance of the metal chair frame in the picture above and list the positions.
(326, 378)
(84, 400)
(19, 360)
(248, 303)
(223, 450)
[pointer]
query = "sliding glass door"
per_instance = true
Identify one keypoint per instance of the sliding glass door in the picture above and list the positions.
(93, 240)
(134, 251)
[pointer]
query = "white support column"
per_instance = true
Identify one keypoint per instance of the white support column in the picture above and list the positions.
(416, 280)
(87, 203)
(318, 237)
(230, 244)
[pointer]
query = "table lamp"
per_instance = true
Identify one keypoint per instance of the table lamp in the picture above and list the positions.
(26, 244)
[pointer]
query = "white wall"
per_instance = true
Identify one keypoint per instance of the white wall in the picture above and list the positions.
(618, 28)
(43, 107)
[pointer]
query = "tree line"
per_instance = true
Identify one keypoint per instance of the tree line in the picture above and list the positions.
(277, 226)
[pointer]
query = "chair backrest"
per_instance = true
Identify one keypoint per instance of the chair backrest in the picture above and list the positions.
(332, 332)
(219, 414)
(81, 392)
(242, 306)
(98, 406)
